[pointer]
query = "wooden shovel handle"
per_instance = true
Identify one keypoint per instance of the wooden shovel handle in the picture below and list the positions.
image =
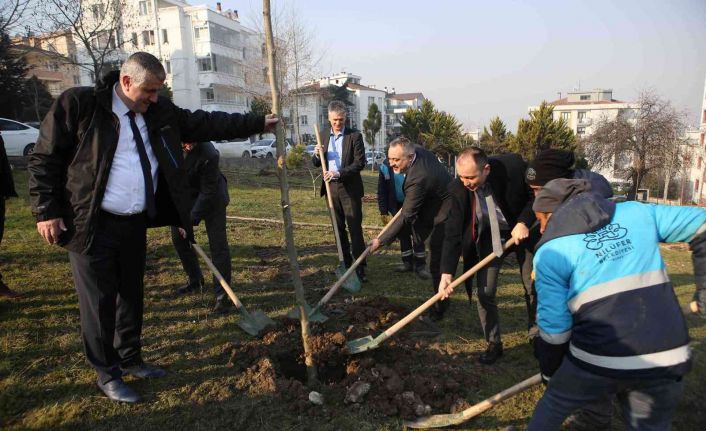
(329, 199)
(413, 315)
(220, 278)
(357, 262)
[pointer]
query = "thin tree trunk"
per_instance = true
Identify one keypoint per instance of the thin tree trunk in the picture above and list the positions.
(284, 189)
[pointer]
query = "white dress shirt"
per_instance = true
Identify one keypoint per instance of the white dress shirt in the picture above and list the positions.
(125, 191)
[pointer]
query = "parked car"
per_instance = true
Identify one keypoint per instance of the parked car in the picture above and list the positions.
(19, 138)
(374, 156)
(238, 148)
(268, 148)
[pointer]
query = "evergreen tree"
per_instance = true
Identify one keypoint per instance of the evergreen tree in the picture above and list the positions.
(494, 139)
(36, 100)
(540, 132)
(13, 68)
(372, 124)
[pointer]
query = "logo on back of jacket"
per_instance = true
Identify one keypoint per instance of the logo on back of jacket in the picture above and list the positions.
(609, 242)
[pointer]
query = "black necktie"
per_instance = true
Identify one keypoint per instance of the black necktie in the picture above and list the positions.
(146, 168)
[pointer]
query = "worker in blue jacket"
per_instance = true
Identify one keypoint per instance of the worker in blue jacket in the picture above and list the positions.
(390, 199)
(609, 321)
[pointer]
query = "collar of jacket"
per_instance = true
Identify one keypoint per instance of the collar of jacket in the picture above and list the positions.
(104, 97)
(104, 89)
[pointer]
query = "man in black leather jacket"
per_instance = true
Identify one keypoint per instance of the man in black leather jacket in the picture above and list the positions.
(106, 166)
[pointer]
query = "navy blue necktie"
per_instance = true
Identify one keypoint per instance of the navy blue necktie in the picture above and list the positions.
(146, 167)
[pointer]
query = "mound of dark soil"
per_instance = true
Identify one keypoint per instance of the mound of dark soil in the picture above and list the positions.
(407, 376)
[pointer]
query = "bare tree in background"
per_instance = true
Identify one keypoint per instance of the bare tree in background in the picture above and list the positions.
(637, 141)
(12, 11)
(95, 27)
(300, 59)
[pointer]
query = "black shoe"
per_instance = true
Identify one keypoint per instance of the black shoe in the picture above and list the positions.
(404, 267)
(117, 390)
(223, 305)
(422, 273)
(144, 371)
(360, 271)
(436, 313)
(491, 354)
(191, 286)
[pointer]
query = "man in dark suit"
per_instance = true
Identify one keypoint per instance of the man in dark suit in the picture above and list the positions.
(491, 203)
(7, 190)
(107, 166)
(345, 158)
(425, 205)
(209, 190)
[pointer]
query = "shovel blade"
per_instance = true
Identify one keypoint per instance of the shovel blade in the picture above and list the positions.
(352, 283)
(254, 322)
(361, 345)
(315, 315)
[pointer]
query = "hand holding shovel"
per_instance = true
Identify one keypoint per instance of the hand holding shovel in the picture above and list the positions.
(368, 343)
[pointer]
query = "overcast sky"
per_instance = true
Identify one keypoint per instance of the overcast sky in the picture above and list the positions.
(477, 59)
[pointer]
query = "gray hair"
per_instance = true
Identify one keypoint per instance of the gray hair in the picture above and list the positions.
(405, 143)
(140, 65)
(336, 106)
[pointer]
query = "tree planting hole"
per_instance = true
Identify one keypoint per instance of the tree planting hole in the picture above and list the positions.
(291, 366)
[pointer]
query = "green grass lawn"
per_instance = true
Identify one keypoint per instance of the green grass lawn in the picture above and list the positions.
(45, 381)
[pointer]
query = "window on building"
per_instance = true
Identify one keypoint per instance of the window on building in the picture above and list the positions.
(371, 100)
(265, 78)
(92, 77)
(698, 163)
(207, 95)
(580, 131)
(148, 37)
(204, 64)
(134, 39)
(581, 116)
(244, 56)
(586, 97)
(303, 120)
(566, 116)
(144, 7)
(77, 80)
(165, 36)
(696, 186)
(168, 66)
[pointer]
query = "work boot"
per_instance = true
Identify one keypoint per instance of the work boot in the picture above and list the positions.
(223, 305)
(191, 286)
(6, 292)
(491, 354)
(360, 271)
(404, 267)
(422, 273)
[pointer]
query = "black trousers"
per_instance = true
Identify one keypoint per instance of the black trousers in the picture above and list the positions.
(487, 280)
(436, 244)
(349, 212)
(110, 286)
(215, 222)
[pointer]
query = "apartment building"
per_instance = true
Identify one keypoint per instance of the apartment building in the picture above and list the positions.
(696, 192)
(311, 106)
(395, 107)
